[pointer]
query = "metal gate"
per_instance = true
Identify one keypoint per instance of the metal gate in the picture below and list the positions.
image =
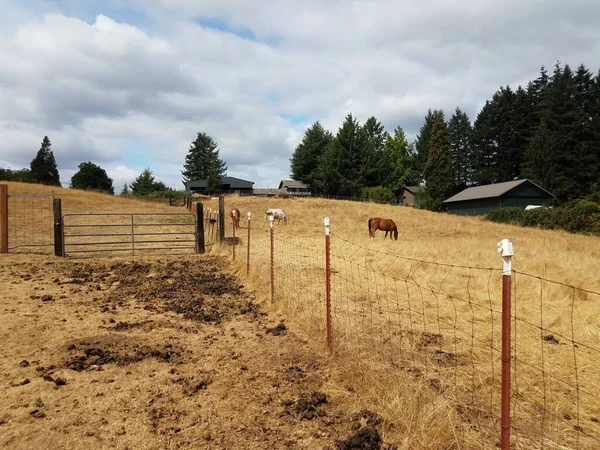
(93, 234)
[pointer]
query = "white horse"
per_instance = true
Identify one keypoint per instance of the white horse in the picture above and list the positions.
(278, 214)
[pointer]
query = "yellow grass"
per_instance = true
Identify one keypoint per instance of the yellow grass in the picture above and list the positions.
(427, 309)
(416, 322)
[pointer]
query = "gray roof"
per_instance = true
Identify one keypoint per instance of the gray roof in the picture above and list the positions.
(232, 181)
(292, 184)
(491, 190)
(414, 189)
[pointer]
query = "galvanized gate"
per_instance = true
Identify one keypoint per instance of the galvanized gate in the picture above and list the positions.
(93, 234)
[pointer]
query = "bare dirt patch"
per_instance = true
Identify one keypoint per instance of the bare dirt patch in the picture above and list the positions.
(158, 354)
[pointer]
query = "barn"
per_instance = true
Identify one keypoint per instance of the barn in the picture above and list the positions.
(229, 185)
(408, 196)
(479, 200)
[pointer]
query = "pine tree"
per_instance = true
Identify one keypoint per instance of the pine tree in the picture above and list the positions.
(203, 163)
(439, 175)
(399, 162)
(145, 184)
(460, 131)
(422, 143)
(347, 153)
(91, 176)
(305, 159)
(373, 169)
(43, 166)
(125, 190)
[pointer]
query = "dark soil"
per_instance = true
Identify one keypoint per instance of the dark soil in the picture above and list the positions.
(365, 438)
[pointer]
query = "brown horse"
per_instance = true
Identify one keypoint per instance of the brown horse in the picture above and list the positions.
(387, 225)
(235, 217)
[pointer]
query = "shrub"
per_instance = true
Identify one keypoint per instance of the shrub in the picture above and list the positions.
(378, 194)
(511, 215)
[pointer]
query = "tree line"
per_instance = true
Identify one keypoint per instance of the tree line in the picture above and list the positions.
(201, 162)
(548, 132)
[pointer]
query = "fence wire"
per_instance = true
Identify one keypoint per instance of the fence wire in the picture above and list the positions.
(442, 325)
(30, 223)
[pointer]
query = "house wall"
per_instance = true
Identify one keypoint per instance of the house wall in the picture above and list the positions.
(475, 207)
(408, 198)
(523, 195)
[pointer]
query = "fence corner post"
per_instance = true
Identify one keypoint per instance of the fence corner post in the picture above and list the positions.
(326, 222)
(248, 246)
(505, 247)
(58, 228)
(3, 218)
(272, 258)
(200, 244)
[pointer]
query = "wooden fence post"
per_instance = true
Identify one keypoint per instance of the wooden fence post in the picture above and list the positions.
(200, 244)
(58, 228)
(3, 218)
(221, 218)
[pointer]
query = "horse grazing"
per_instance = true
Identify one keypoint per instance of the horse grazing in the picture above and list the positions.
(387, 225)
(235, 217)
(278, 214)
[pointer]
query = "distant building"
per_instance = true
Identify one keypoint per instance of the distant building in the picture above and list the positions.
(479, 200)
(294, 187)
(229, 185)
(408, 196)
(260, 192)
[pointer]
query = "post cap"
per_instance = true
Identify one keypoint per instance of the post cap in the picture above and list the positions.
(326, 221)
(249, 214)
(505, 247)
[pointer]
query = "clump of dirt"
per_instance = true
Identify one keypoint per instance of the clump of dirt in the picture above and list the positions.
(365, 438)
(125, 326)
(93, 355)
(278, 330)
(308, 406)
(429, 339)
(550, 339)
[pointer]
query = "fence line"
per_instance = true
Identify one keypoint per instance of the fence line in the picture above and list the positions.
(442, 325)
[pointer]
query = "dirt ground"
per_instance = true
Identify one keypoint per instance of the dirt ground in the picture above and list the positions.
(159, 354)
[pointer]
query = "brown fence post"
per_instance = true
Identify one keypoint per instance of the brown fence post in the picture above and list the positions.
(506, 248)
(200, 244)
(3, 218)
(221, 218)
(248, 246)
(327, 282)
(58, 228)
(272, 259)
(233, 233)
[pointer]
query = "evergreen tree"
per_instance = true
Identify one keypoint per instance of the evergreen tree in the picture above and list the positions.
(439, 175)
(347, 154)
(306, 156)
(203, 163)
(125, 190)
(145, 184)
(460, 131)
(43, 166)
(540, 164)
(422, 143)
(399, 161)
(373, 169)
(483, 148)
(91, 176)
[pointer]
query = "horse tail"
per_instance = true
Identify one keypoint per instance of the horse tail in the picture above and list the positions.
(395, 233)
(369, 223)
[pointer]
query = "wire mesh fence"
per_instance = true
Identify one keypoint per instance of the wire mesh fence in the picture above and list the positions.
(30, 223)
(442, 325)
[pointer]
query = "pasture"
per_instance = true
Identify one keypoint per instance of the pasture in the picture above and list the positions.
(416, 326)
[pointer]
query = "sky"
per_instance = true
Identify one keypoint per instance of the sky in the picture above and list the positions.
(127, 84)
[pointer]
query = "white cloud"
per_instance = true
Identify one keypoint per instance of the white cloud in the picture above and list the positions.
(129, 96)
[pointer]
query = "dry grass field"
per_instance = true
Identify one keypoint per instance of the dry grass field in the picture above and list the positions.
(416, 322)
